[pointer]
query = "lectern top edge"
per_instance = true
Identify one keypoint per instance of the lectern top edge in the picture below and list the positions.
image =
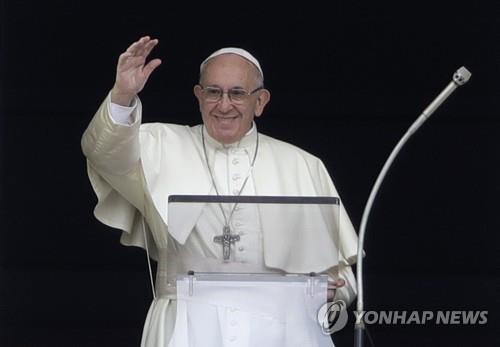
(255, 199)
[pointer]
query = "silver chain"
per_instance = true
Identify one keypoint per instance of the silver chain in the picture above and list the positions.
(227, 220)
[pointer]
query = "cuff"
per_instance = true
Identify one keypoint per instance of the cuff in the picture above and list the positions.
(122, 115)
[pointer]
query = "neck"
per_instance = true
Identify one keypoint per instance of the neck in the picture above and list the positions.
(248, 140)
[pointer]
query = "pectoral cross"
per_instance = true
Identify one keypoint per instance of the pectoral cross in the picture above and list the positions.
(226, 239)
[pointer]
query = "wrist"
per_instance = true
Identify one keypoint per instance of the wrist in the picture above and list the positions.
(120, 98)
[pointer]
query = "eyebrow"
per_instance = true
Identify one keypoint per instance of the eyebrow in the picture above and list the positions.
(217, 86)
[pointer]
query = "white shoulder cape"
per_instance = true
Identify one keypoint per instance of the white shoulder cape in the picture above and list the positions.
(134, 169)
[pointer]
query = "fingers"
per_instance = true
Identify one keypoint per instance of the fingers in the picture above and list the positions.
(149, 47)
(136, 54)
(340, 283)
(150, 67)
(142, 47)
(336, 284)
(332, 288)
(137, 45)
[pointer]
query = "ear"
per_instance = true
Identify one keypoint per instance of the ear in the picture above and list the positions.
(262, 100)
(197, 92)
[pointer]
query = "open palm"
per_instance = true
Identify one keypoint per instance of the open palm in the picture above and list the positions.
(132, 72)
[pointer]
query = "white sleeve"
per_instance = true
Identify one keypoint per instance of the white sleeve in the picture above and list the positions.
(115, 172)
(122, 115)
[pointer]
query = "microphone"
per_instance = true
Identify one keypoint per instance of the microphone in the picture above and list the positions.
(460, 77)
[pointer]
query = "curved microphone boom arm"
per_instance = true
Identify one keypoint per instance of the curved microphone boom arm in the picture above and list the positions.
(460, 77)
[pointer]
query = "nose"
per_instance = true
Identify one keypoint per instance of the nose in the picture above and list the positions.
(224, 103)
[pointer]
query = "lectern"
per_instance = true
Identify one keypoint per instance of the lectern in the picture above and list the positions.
(220, 248)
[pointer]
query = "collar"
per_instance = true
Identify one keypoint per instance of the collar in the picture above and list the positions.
(247, 142)
(246, 145)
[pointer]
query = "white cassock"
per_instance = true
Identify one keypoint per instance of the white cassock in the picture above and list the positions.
(134, 168)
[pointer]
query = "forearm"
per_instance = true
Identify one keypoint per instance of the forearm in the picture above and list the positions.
(113, 145)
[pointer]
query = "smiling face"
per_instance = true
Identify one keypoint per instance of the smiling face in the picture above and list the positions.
(224, 120)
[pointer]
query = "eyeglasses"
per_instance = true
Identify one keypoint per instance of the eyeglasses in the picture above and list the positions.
(236, 95)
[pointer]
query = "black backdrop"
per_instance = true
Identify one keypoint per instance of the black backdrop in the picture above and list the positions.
(346, 80)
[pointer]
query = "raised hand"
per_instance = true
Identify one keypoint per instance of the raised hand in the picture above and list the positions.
(132, 72)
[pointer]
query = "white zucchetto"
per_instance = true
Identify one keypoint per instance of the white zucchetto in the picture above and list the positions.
(238, 51)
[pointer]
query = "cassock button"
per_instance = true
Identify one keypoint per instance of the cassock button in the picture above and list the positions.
(236, 161)
(238, 224)
(236, 191)
(236, 177)
(232, 338)
(233, 323)
(241, 248)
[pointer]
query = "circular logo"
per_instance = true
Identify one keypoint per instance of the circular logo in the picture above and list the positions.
(332, 316)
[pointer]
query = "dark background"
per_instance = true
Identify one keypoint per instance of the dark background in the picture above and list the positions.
(347, 80)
